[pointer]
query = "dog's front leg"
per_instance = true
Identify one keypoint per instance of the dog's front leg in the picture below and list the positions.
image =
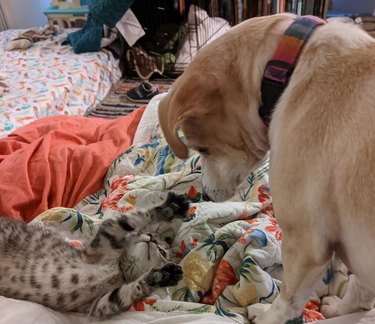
(303, 270)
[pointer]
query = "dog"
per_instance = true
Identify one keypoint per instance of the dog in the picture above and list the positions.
(321, 141)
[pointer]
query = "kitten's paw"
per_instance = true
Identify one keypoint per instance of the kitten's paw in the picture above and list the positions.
(168, 275)
(175, 205)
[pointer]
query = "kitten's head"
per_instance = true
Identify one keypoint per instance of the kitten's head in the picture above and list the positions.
(141, 255)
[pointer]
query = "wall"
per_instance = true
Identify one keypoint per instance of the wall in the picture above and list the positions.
(24, 13)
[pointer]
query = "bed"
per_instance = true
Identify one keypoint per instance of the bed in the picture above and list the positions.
(49, 79)
(230, 251)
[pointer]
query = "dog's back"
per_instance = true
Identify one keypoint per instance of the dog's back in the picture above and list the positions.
(323, 130)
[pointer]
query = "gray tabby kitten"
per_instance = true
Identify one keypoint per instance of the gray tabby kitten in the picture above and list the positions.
(39, 265)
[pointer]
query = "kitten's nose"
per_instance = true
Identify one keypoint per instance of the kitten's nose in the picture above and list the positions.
(152, 238)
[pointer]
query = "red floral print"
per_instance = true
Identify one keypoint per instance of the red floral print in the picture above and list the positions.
(139, 306)
(192, 193)
(225, 276)
(192, 210)
(264, 195)
(242, 239)
(311, 312)
(274, 228)
(180, 253)
(117, 191)
(268, 211)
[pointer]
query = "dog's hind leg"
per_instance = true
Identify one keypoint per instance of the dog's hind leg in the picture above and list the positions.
(303, 271)
(357, 298)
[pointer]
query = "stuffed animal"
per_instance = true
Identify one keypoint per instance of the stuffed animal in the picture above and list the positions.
(31, 36)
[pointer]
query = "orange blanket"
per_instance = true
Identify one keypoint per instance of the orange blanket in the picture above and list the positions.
(57, 161)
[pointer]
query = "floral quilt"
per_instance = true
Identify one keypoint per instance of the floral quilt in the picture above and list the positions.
(230, 251)
(49, 79)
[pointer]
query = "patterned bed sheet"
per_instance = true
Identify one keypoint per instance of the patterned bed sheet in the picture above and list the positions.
(49, 79)
(230, 252)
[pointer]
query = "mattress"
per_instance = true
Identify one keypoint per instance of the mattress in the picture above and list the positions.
(49, 79)
(22, 312)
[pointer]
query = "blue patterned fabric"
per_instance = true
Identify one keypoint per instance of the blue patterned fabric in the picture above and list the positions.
(101, 12)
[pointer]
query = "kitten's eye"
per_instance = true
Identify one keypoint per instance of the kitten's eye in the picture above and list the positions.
(162, 252)
(168, 240)
(203, 150)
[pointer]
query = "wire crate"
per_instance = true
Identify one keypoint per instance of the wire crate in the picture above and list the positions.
(175, 31)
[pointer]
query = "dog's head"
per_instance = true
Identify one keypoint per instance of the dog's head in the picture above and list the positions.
(215, 104)
(226, 149)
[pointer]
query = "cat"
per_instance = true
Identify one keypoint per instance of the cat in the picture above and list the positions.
(38, 264)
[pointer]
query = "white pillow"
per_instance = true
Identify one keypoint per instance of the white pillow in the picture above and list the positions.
(149, 120)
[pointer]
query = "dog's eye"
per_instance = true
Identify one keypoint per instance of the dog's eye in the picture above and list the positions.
(203, 150)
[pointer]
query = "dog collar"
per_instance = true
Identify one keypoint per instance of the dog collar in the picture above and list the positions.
(280, 68)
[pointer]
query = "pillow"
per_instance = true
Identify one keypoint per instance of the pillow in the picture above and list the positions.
(148, 121)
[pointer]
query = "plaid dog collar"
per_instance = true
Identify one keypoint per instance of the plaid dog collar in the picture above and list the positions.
(280, 68)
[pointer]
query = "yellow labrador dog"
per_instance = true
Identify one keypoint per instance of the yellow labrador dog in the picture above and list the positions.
(321, 141)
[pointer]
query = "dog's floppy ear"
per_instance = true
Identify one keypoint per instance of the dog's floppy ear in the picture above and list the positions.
(169, 118)
(190, 99)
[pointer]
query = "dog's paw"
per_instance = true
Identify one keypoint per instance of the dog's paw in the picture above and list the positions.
(175, 205)
(256, 312)
(330, 306)
(168, 275)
